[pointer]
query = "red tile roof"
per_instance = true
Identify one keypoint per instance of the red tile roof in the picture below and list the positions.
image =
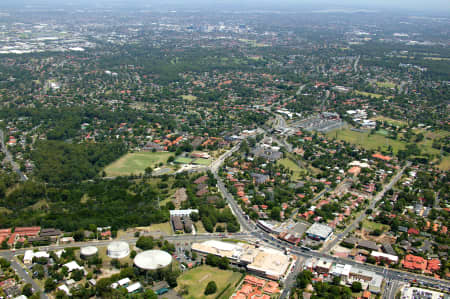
(433, 265)
(414, 262)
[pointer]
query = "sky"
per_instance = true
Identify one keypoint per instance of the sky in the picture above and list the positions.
(441, 7)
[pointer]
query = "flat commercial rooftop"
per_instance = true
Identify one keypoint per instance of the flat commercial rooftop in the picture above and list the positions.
(266, 261)
(320, 230)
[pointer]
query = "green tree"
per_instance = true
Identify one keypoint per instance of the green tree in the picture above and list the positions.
(356, 287)
(149, 294)
(211, 288)
(27, 290)
(145, 243)
(49, 285)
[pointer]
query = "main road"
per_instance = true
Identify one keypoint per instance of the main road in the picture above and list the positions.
(363, 215)
(268, 239)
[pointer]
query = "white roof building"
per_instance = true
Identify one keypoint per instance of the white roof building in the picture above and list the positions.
(359, 164)
(29, 255)
(341, 270)
(265, 261)
(134, 287)
(182, 212)
(124, 281)
(319, 231)
(73, 265)
(382, 255)
(65, 289)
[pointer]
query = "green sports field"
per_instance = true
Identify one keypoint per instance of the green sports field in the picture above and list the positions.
(197, 279)
(136, 163)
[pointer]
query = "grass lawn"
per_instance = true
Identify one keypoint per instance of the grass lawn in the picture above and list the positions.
(445, 163)
(437, 58)
(200, 229)
(389, 120)
(189, 97)
(136, 163)
(386, 84)
(161, 227)
(183, 160)
(368, 94)
(197, 279)
(205, 162)
(383, 132)
(363, 139)
(291, 165)
(371, 226)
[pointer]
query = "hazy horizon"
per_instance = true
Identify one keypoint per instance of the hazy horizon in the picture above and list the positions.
(441, 7)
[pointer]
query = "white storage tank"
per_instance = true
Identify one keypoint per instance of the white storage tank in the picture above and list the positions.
(89, 251)
(152, 260)
(118, 250)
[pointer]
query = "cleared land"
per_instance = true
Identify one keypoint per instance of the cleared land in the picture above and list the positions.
(136, 163)
(197, 279)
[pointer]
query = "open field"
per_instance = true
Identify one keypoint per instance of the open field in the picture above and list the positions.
(379, 141)
(374, 141)
(189, 97)
(369, 225)
(389, 120)
(253, 43)
(183, 160)
(161, 227)
(197, 279)
(136, 163)
(445, 163)
(199, 227)
(386, 84)
(368, 94)
(437, 58)
(289, 164)
(205, 162)
(373, 95)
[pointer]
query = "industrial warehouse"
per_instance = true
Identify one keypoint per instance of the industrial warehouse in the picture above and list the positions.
(264, 261)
